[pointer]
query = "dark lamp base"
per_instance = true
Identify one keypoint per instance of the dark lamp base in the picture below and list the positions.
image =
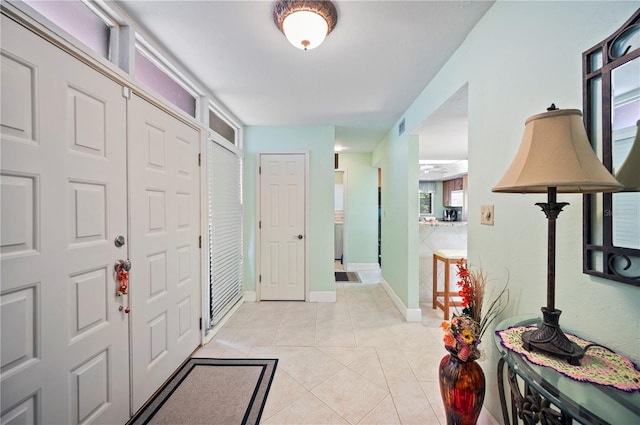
(550, 339)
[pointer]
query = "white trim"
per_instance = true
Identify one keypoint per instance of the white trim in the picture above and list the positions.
(205, 296)
(409, 314)
(98, 10)
(355, 267)
(256, 227)
(345, 188)
(307, 214)
(249, 297)
(413, 315)
(322, 296)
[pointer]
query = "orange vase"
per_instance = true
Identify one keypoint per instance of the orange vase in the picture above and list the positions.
(462, 386)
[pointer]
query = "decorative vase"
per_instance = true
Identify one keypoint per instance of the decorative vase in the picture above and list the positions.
(462, 386)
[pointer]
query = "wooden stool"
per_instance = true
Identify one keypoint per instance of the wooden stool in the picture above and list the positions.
(448, 257)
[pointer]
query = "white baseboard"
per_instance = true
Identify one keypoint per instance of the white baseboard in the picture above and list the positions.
(322, 296)
(413, 315)
(314, 296)
(410, 314)
(355, 267)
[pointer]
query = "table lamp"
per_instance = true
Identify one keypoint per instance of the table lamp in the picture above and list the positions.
(555, 156)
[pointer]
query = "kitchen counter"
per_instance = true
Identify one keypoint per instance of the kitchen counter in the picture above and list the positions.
(443, 223)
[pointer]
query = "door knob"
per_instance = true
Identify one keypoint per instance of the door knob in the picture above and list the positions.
(299, 236)
(119, 241)
(123, 265)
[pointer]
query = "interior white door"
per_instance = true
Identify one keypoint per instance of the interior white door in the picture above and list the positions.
(63, 137)
(282, 226)
(164, 200)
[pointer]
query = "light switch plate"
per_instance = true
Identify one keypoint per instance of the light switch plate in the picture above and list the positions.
(486, 215)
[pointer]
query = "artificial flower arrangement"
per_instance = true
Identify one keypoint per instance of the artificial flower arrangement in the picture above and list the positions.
(463, 334)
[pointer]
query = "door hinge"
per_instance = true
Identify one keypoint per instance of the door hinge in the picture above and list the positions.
(201, 323)
(199, 160)
(260, 224)
(260, 278)
(126, 92)
(199, 241)
(259, 170)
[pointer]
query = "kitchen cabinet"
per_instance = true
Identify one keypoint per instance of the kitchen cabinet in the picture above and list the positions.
(457, 184)
(450, 185)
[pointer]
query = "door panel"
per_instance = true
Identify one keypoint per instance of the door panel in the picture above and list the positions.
(282, 217)
(64, 341)
(165, 295)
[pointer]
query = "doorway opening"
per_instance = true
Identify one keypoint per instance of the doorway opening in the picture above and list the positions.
(380, 217)
(338, 219)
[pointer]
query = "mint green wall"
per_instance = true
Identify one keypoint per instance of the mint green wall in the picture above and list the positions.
(398, 159)
(361, 215)
(318, 142)
(521, 57)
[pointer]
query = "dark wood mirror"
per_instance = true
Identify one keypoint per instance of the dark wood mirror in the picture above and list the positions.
(611, 104)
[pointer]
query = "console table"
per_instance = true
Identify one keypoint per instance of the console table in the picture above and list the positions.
(541, 394)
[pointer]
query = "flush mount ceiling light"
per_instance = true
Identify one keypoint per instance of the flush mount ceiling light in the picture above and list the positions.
(305, 23)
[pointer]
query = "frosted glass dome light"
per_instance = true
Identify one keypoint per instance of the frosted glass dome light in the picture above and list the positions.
(305, 30)
(305, 23)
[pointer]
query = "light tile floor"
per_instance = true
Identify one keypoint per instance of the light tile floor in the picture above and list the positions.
(355, 361)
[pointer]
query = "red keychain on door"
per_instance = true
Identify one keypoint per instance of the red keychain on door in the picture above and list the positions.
(123, 278)
(122, 274)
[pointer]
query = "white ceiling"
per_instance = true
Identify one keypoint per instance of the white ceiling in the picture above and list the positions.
(368, 71)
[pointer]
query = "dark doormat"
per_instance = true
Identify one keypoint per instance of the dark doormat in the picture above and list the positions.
(211, 391)
(347, 277)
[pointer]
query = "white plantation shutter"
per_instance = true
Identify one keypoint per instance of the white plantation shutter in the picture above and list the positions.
(225, 230)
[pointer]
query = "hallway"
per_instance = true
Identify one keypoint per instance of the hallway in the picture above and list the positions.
(355, 361)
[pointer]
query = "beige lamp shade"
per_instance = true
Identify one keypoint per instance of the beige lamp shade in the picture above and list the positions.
(555, 152)
(629, 173)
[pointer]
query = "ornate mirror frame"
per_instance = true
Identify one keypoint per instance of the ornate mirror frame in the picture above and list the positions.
(601, 257)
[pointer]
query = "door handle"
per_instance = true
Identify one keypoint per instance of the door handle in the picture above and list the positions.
(300, 236)
(123, 265)
(122, 268)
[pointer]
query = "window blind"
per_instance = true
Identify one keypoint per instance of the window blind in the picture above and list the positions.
(225, 230)
(426, 187)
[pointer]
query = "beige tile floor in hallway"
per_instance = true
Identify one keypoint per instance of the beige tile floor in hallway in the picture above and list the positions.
(355, 361)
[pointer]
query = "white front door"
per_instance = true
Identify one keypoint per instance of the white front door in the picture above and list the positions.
(282, 226)
(65, 357)
(164, 186)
